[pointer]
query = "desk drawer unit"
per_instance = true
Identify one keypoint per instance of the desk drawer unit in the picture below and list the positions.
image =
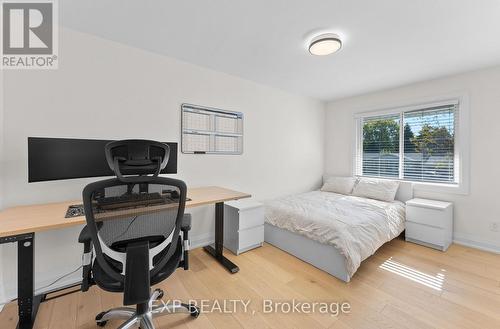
(429, 223)
(243, 225)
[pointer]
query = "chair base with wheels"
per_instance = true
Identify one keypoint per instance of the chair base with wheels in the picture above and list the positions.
(143, 314)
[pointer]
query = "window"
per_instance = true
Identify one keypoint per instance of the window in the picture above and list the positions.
(413, 144)
(429, 144)
(381, 146)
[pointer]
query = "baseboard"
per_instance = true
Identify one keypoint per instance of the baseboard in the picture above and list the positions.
(201, 240)
(66, 282)
(3, 298)
(471, 241)
(2, 289)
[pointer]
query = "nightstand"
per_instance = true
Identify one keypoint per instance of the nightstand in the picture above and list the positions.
(429, 223)
(243, 225)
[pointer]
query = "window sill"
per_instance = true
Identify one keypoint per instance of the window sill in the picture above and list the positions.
(440, 188)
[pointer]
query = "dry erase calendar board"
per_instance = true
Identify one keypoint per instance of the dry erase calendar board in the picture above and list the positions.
(207, 130)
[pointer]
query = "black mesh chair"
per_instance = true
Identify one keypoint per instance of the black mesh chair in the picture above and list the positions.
(133, 235)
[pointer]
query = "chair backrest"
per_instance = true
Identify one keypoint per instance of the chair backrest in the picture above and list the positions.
(114, 226)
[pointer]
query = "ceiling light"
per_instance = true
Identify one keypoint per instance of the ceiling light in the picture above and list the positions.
(325, 44)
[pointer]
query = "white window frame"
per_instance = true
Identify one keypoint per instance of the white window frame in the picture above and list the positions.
(462, 140)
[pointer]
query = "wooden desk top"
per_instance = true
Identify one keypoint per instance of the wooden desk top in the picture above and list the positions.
(43, 217)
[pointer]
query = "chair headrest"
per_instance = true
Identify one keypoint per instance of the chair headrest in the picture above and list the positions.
(136, 157)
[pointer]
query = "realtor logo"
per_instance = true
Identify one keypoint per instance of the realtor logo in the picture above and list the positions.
(29, 35)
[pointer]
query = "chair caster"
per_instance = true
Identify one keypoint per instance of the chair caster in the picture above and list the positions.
(98, 319)
(194, 311)
(160, 294)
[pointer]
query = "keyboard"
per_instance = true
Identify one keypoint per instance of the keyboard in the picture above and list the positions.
(75, 210)
(130, 200)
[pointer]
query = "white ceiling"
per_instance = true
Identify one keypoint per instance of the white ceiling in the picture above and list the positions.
(386, 42)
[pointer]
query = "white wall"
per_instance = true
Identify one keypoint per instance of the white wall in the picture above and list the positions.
(2, 291)
(474, 211)
(107, 90)
(1, 139)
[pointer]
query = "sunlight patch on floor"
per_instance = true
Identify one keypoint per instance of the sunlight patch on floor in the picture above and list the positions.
(431, 281)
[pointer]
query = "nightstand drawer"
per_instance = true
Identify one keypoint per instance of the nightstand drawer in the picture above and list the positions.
(427, 216)
(251, 217)
(430, 235)
(251, 237)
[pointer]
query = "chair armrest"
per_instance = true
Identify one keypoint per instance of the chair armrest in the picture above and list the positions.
(84, 235)
(185, 228)
(186, 222)
(85, 238)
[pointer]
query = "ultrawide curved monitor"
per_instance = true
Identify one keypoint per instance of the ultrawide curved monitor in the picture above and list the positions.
(67, 158)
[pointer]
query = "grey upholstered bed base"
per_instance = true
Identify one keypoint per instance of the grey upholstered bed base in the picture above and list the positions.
(322, 256)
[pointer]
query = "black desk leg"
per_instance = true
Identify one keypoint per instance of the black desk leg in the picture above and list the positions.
(219, 240)
(27, 303)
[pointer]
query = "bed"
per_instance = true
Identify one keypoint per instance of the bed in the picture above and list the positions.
(334, 232)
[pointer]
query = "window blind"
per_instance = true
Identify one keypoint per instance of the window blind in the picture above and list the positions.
(429, 144)
(416, 144)
(380, 146)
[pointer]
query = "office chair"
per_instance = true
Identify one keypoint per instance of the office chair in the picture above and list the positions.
(129, 247)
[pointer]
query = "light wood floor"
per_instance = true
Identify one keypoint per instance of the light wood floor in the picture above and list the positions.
(402, 286)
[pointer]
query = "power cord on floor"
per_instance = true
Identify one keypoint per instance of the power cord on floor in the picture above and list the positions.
(7, 302)
(48, 285)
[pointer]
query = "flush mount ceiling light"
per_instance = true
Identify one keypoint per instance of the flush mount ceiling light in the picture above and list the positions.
(325, 44)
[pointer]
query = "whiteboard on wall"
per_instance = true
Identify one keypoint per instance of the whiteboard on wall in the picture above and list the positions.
(207, 130)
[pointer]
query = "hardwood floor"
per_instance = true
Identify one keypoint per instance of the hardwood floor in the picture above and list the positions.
(402, 286)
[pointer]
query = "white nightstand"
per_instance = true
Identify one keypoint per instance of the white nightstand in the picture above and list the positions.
(243, 225)
(429, 223)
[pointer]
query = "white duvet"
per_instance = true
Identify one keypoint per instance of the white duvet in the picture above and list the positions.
(356, 226)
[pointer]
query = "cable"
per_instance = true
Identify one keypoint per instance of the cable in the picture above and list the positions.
(5, 303)
(126, 230)
(48, 285)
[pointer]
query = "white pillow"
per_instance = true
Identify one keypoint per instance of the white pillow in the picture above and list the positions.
(342, 185)
(384, 190)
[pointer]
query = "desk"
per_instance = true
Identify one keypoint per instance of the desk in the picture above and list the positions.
(19, 224)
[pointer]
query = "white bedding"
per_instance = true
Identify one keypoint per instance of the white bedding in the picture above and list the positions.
(356, 226)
